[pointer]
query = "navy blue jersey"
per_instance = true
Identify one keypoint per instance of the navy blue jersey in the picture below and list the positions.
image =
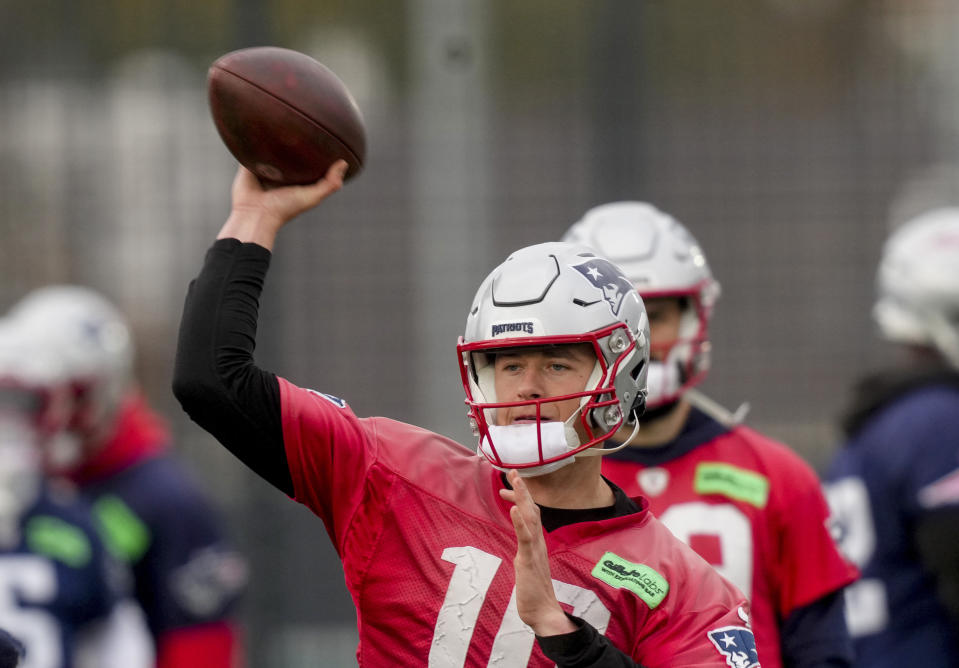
(900, 464)
(56, 581)
(155, 518)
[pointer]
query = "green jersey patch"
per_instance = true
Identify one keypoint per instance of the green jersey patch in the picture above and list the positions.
(127, 536)
(733, 482)
(58, 540)
(640, 579)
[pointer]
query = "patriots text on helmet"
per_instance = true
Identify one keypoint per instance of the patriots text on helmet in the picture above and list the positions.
(500, 329)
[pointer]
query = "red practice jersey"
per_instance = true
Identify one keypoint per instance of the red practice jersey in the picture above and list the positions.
(748, 505)
(427, 548)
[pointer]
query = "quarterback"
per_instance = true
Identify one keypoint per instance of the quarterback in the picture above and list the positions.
(520, 554)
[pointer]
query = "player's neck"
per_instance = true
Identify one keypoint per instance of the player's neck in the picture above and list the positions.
(575, 486)
(657, 432)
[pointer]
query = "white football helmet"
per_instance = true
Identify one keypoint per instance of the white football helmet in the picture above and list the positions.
(546, 295)
(93, 341)
(918, 283)
(661, 259)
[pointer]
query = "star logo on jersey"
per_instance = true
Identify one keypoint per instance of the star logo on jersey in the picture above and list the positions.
(603, 275)
(737, 644)
(653, 481)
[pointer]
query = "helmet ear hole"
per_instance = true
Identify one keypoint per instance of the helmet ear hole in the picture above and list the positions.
(638, 406)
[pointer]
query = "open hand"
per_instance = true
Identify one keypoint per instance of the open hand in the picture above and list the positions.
(259, 212)
(535, 599)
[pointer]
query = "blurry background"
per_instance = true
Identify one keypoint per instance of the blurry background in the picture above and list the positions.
(786, 134)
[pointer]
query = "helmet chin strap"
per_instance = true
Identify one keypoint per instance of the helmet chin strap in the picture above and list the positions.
(598, 450)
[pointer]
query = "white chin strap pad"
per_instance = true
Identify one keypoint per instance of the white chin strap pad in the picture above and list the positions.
(517, 445)
(662, 382)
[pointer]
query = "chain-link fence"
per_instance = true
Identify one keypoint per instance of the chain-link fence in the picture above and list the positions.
(785, 134)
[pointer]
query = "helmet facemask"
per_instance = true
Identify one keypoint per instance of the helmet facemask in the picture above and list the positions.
(94, 345)
(20, 435)
(684, 361)
(34, 410)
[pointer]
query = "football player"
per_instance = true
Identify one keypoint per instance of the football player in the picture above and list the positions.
(747, 504)
(518, 555)
(152, 512)
(894, 485)
(64, 601)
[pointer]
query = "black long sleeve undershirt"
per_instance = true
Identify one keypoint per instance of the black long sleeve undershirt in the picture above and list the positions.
(220, 387)
(214, 376)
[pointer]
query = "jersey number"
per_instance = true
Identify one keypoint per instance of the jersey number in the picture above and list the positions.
(465, 596)
(32, 581)
(728, 525)
(867, 608)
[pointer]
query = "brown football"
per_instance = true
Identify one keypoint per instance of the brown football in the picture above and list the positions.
(285, 116)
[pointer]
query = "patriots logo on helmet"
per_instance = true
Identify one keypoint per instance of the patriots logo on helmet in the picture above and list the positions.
(604, 275)
(737, 644)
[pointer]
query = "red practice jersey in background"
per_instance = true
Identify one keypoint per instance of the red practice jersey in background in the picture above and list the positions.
(427, 548)
(749, 506)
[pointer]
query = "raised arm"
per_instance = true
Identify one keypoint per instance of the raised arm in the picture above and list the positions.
(215, 378)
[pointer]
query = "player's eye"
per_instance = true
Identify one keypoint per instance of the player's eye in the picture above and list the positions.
(508, 366)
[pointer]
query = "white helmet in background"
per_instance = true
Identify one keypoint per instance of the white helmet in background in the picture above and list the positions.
(546, 295)
(93, 341)
(35, 406)
(918, 283)
(661, 259)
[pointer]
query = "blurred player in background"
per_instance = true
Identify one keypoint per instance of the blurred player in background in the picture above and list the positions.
(444, 553)
(64, 600)
(894, 485)
(152, 512)
(749, 505)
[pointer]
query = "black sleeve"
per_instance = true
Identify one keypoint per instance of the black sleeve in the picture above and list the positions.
(939, 553)
(584, 648)
(214, 377)
(815, 635)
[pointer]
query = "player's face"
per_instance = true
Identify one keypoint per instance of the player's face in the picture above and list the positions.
(665, 315)
(528, 374)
